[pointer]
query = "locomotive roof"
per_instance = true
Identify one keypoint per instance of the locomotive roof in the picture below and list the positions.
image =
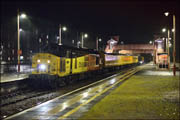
(59, 50)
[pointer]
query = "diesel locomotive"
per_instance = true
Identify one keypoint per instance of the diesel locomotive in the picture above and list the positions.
(60, 64)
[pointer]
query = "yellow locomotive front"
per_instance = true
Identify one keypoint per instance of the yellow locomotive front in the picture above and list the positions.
(45, 63)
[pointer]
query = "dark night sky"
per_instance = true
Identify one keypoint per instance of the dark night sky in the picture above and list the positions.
(134, 21)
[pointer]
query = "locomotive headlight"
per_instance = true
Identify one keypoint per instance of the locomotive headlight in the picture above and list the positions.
(48, 61)
(38, 61)
(42, 67)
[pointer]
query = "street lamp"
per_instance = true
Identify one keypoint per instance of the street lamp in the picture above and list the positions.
(167, 43)
(174, 43)
(60, 37)
(18, 37)
(82, 40)
(97, 42)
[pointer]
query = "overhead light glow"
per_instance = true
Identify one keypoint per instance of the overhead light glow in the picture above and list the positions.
(38, 61)
(21, 57)
(48, 61)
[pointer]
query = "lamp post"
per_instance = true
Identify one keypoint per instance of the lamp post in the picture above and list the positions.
(174, 45)
(18, 37)
(97, 42)
(60, 37)
(174, 42)
(82, 39)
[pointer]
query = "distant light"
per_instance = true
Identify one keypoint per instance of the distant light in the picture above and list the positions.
(170, 44)
(21, 57)
(164, 30)
(173, 30)
(122, 42)
(20, 30)
(23, 15)
(166, 13)
(141, 62)
(64, 28)
(40, 40)
(38, 61)
(47, 36)
(100, 39)
(57, 37)
(170, 38)
(48, 61)
(150, 42)
(159, 41)
(85, 35)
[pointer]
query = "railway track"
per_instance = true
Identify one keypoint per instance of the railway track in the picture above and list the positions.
(20, 96)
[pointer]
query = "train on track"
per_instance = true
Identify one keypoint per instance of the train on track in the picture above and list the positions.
(60, 64)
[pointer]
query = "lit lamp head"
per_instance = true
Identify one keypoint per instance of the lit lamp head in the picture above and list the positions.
(64, 28)
(23, 15)
(166, 13)
(164, 30)
(85, 35)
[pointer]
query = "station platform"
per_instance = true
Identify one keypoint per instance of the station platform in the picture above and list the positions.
(13, 77)
(9, 73)
(141, 93)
